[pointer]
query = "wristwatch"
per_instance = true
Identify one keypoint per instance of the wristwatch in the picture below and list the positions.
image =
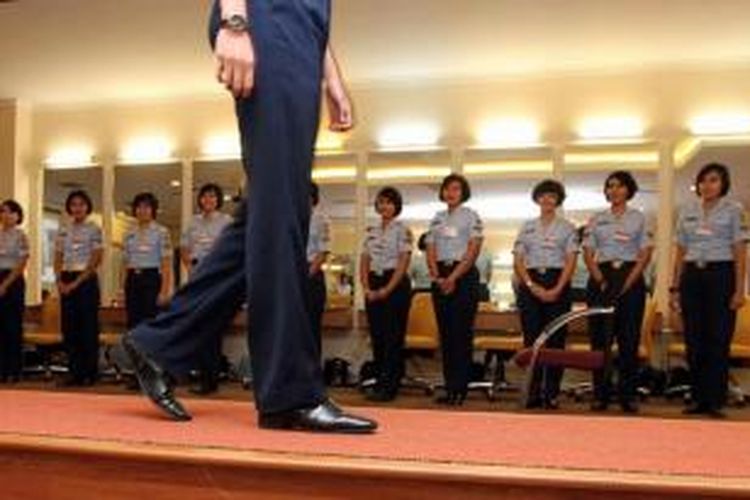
(235, 23)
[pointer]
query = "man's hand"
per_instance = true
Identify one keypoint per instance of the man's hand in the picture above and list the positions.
(339, 107)
(235, 62)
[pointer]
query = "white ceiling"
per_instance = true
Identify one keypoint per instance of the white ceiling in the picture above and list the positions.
(89, 50)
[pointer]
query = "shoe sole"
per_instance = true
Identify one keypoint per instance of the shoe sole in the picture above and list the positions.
(288, 425)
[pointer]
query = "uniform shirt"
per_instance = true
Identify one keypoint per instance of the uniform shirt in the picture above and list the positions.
(14, 248)
(384, 245)
(451, 232)
(618, 237)
(546, 247)
(146, 247)
(202, 232)
(319, 240)
(77, 242)
(709, 237)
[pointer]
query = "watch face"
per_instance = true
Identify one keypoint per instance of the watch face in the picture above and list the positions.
(237, 23)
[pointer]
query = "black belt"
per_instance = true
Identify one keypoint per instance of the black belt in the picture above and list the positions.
(616, 265)
(702, 265)
(382, 272)
(544, 270)
(144, 270)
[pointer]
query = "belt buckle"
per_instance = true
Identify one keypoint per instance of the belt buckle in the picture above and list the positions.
(617, 264)
(701, 264)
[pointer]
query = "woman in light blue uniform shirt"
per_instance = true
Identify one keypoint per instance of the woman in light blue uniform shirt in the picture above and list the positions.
(544, 261)
(14, 254)
(617, 248)
(196, 242)
(318, 247)
(453, 245)
(78, 254)
(386, 252)
(147, 259)
(709, 284)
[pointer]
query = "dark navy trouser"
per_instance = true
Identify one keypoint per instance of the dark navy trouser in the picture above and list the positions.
(455, 314)
(11, 327)
(624, 327)
(261, 255)
(79, 323)
(709, 322)
(535, 316)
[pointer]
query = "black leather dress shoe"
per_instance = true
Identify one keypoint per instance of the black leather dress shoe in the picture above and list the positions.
(154, 382)
(326, 417)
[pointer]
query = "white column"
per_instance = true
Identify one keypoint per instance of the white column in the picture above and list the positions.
(360, 226)
(457, 161)
(664, 228)
(109, 278)
(186, 209)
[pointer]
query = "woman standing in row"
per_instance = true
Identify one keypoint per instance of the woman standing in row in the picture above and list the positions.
(545, 259)
(617, 248)
(78, 254)
(318, 248)
(386, 252)
(147, 262)
(709, 284)
(14, 255)
(453, 245)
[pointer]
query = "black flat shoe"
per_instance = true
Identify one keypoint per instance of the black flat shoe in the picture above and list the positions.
(326, 417)
(695, 410)
(154, 382)
(451, 398)
(599, 406)
(380, 396)
(629, 407)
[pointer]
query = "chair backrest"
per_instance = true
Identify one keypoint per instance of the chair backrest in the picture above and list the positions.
(742, 327)
(421, 326)
(50, 320)
(648, 326)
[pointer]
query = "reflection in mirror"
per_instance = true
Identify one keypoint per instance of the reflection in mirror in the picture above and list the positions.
(338, 205)
(164, 182)
(57, 185)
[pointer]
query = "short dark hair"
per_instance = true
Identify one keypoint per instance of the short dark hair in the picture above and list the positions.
(422, 242)
(145, 199)
(549, 186)
(314, 193)
(14, 207)
(465, 188)
(393, 195)
(717, 168)
(626, 179)
(211, 188)
(81, 195)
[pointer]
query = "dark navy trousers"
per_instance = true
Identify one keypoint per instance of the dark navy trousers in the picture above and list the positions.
(709, 322)
(11, 327)
(261, 255)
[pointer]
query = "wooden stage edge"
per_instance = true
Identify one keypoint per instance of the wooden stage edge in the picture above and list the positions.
(432, 476)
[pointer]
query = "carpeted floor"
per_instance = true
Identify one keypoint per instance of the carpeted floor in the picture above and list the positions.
(626, 444)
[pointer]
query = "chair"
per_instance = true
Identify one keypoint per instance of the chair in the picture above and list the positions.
(529, 358)
(498, 334)
(45, 338)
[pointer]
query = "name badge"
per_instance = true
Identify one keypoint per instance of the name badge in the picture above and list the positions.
(704, 231)
(144, 247)
(450, 232)
(548, 242)
(622, 236)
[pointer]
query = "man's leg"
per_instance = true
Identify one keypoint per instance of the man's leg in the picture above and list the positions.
(211, 297)
(278, 128)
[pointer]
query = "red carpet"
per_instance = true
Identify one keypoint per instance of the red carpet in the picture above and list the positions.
(677, 447)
